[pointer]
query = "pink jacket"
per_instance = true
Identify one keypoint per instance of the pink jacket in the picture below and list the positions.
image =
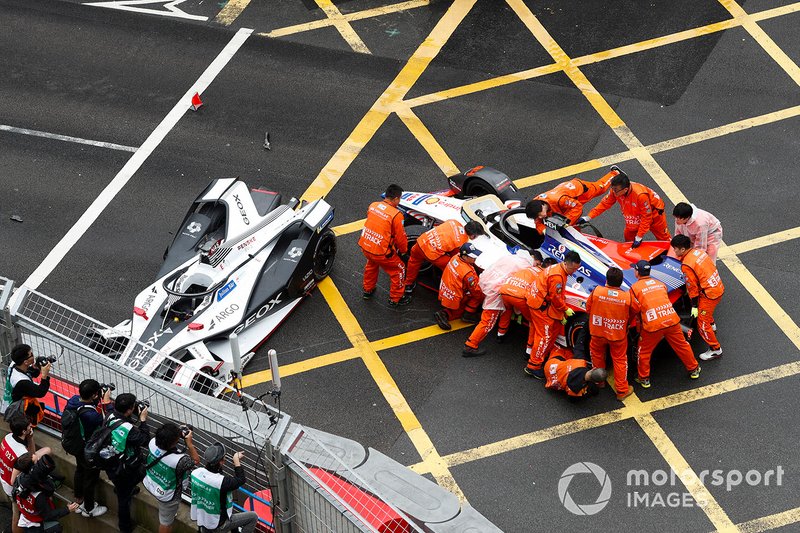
(703, 228)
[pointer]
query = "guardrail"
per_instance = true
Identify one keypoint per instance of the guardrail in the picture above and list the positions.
(291, 491)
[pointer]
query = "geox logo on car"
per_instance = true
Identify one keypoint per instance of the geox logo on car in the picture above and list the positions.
(141, 356)
(258, 314)
(240, 206)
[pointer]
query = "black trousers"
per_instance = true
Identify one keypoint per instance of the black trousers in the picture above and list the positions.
(125, 485)
(85, 480)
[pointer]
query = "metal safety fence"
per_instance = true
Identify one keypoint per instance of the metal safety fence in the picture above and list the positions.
(295, 482)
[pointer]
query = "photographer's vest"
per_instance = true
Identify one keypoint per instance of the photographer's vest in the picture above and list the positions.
(29, 517)
(119, 437)
(162, 478)
(10, 450)
(13, 376)
(206, 493)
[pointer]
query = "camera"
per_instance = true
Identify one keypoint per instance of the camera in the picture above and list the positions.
(185, 429)
(105, 387)
(141, 404)
(44, 359)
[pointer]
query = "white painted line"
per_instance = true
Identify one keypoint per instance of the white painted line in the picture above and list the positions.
(46, 135)
(137, 159)
(169, 6)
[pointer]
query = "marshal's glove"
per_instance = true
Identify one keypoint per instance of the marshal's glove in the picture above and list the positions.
(695, 312)
(583, 220)
(404, 257)
(636, 242)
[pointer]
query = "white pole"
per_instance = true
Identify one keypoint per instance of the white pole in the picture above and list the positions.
(273, 365)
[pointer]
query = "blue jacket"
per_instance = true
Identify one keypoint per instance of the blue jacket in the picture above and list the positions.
(90, 418)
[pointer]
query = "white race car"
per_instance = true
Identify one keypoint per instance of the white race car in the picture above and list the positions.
(240, 263)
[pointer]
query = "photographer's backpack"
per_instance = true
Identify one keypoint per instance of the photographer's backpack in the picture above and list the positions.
(99, 452)
(73, 437)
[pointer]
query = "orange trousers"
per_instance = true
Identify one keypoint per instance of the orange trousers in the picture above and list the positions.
(488, 320)
(658, 227)
(650, 339)
(705, 317)
(541, 337)
(415, 260)
(512, 304)
(393, 266)
(619, 359)
(469, 304)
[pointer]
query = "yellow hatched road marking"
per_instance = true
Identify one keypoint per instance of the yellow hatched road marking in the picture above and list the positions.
(389, 389)
(773, 521)
(349, 17)
(687, 475)
(763, 39)
(393, 94)
(632, 409)
(600, 56)
(763, 242)
(663, 146)
(313, 363)
(343, 26)
(231, 12)
(653, 430)
(428, 142)
(256, 378)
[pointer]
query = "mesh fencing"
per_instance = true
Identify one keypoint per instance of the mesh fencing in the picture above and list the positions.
(302, 486)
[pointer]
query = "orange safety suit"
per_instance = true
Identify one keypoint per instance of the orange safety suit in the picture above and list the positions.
(459, 290)
(610, 311)
(436, 246)
(704, 284)
(513, 292)
(568, 198)
(382, 239)
(658, 321)
(642, 209)
(545, 299)
(568, 375)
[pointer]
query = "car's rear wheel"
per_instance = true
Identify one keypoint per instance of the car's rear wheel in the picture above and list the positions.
(477, 187)
(324, 255)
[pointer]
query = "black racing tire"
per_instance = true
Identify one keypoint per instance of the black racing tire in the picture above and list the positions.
(202, 381)
(589, 229)
(478, 187)
(324, 255)
(110, 347)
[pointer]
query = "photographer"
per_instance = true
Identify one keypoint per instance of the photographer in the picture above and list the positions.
(212, 494)
(13, 448)
(76, 427)
(128, 439)
(34, 496)
(168, 470)
(20, 385)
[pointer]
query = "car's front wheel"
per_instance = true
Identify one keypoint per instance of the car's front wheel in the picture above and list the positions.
(324, 255)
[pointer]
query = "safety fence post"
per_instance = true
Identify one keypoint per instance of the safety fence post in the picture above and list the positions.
(8, 333)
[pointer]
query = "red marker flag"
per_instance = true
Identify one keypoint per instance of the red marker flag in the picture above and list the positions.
(196, 102)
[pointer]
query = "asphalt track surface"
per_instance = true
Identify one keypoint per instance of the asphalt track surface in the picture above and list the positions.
(698, 99)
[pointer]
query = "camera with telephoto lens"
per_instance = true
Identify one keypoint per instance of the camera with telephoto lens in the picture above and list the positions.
(44, 359)
(141, 405)
(105, 387)
(185, 429)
